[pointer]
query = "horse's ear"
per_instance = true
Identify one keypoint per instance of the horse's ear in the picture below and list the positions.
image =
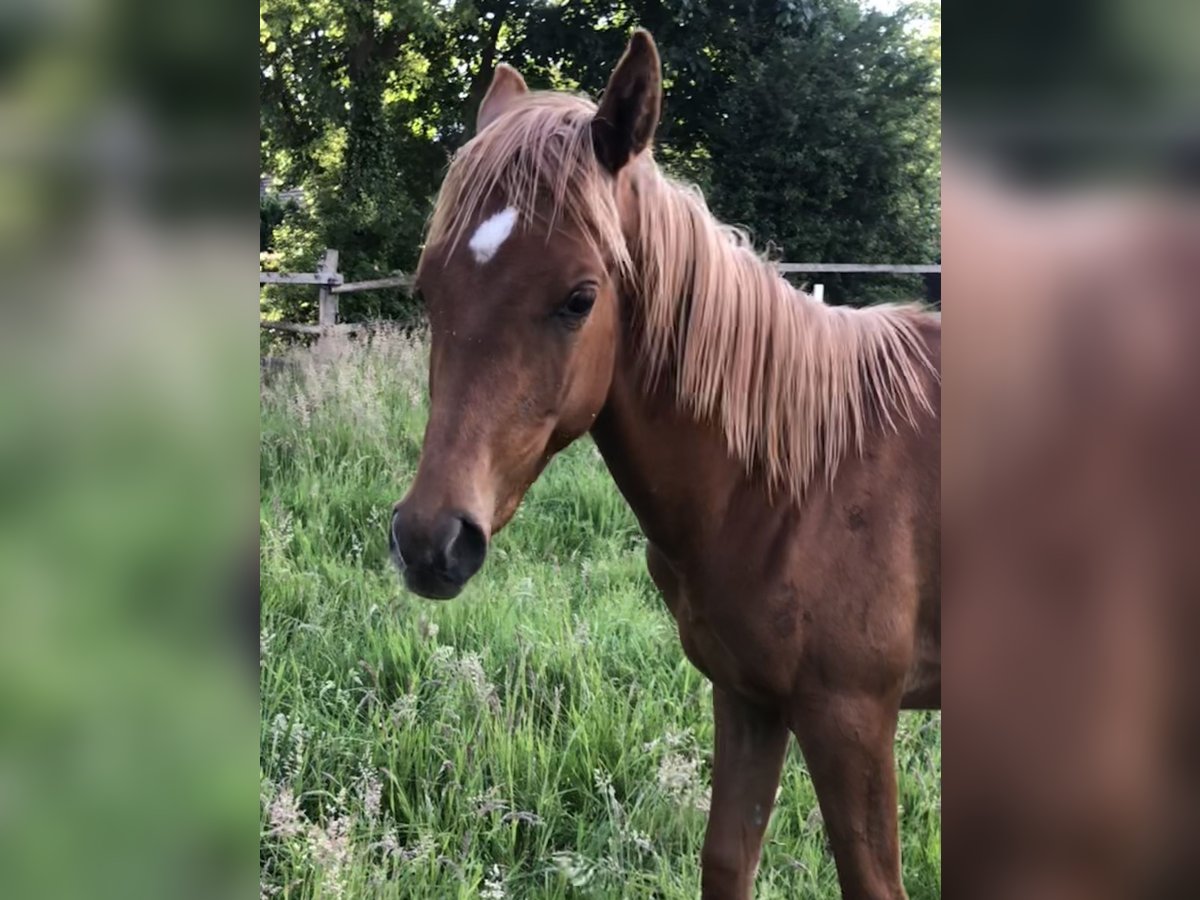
(628, 114)
(507, 85)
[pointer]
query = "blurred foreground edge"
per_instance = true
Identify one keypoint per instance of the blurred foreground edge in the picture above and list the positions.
(1071, 475)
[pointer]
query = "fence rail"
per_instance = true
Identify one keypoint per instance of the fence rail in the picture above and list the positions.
(331, 284)
(296, 328)
(300, 278)
(881, 269)
(404, 281)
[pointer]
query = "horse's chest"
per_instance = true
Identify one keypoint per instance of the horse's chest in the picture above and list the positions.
(702, 647)
(733, 657)
(728, 660)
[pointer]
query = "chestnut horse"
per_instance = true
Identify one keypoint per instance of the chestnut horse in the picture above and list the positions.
(781, 456)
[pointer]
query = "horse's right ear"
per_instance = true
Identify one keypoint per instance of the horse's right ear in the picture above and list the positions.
(507, 85)
(628, 115)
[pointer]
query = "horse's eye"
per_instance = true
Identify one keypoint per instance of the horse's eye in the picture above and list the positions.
(578, 305)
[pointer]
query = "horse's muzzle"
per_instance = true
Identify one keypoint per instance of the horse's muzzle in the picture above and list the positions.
(436, 557)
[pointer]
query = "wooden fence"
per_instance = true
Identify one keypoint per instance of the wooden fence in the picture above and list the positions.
(330, 285)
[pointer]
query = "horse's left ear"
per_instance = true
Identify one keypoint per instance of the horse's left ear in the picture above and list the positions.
(507, 85)
(628, 115)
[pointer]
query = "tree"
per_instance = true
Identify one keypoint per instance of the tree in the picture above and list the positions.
(344, 113)
(815, 124)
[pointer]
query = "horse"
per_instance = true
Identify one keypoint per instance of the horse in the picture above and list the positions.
(781, 455)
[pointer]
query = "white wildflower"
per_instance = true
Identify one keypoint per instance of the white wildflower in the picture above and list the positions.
(577, 869)
(679, 778)
(493, 885)
(583, 634)
(489, 802)
(470, 670)
(390, 845)
(605, 786)
(672, 740)
(331, 849)
(283, 734)
(423, 849)
(640, 840)
(370, 791)
(404, 710)
(284, 814)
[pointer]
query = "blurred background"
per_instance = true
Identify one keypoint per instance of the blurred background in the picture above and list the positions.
(128, 422)
(1071, 247)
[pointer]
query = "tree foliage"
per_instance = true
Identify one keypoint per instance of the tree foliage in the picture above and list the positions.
(814, 123)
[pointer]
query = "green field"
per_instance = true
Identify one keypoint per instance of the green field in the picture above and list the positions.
(540, 736)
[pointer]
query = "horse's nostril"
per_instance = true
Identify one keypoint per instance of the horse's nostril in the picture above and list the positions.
(454, 527)
(467, 548)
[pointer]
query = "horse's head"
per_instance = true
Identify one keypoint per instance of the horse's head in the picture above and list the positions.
(520, 276)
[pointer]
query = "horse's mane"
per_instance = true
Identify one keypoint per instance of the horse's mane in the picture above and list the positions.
(792, 383)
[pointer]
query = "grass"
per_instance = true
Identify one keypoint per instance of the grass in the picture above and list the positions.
(542, 736)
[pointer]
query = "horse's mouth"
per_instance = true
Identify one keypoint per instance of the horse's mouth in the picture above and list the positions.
(430, 584)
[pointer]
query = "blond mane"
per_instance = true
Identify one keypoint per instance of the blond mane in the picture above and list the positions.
(792, 383)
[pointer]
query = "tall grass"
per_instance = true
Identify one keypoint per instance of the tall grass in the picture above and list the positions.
(541, 736)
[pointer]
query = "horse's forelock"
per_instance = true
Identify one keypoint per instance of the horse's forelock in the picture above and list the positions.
(538, 158)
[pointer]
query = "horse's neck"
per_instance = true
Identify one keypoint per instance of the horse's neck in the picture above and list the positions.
(673, 471)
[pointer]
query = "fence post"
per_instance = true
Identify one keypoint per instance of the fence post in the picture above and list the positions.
(327, 300)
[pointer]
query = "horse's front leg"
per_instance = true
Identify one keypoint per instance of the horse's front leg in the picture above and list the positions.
(847, 743)
(750, 746)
